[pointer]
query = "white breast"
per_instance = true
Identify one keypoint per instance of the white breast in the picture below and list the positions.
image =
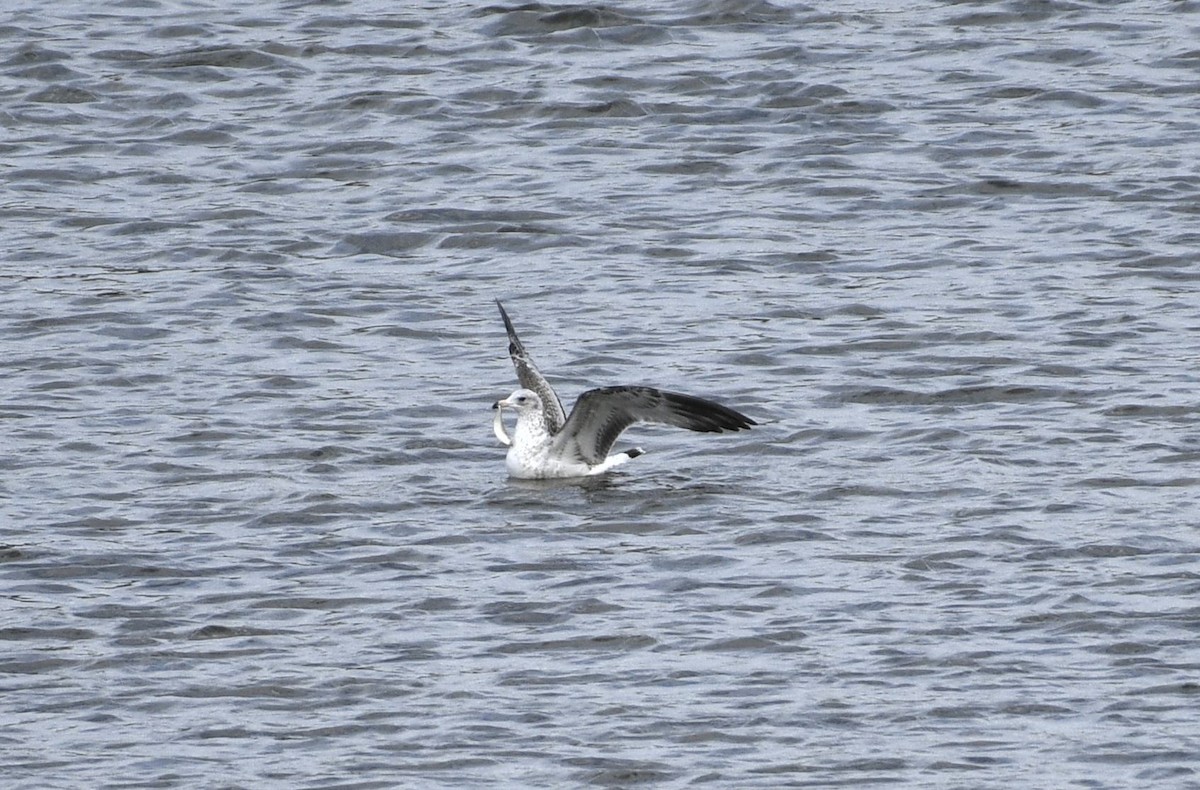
(531, 457)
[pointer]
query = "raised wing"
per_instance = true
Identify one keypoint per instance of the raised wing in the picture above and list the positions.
(531, 378)
(601, 415)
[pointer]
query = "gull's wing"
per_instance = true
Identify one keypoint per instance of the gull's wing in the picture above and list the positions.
(531, 378)
(601, 415)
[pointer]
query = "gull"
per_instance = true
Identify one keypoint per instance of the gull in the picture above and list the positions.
(549, 444)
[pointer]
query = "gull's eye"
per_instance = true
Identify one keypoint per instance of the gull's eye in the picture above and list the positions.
(522, 399)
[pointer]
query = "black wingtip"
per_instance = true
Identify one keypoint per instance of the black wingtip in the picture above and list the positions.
(707, 416)
(514, 342)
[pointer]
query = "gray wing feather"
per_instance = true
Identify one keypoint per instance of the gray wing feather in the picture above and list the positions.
(601, 415)
(531, 378)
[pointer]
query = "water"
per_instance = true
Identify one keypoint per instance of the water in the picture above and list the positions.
(256, 530)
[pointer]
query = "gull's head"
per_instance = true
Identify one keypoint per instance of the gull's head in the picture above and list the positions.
(522, 400)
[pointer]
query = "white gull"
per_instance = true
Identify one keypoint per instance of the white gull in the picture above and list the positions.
(548, 444)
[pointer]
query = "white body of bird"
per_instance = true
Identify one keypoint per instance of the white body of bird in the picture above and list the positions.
(532, 451)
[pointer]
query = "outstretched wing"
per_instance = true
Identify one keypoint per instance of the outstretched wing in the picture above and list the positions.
(601, 415)
(532, 379)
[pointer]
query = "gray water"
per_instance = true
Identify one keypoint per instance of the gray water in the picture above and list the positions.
(256, 531)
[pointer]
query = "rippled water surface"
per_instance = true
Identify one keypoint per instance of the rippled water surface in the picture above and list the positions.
(256, 531)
